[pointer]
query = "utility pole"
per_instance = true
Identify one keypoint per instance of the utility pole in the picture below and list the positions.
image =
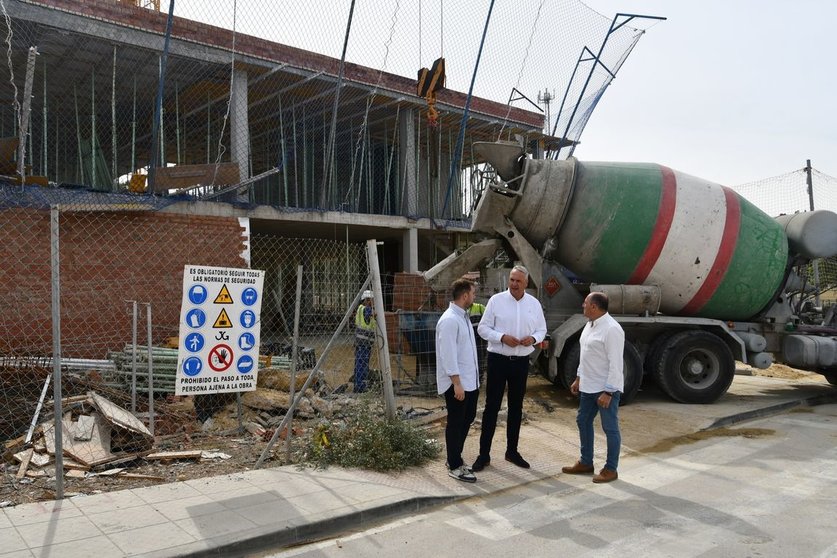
(816, 264)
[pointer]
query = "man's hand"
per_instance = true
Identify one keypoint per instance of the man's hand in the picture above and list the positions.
(527, 341)
(458, 392)
(574, 386)
(509, 340)
(604, 400)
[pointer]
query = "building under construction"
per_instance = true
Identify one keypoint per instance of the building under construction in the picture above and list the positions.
(315, 144)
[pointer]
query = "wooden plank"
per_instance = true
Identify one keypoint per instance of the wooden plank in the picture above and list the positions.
(24, 462)
(184, 176)
(169, 455)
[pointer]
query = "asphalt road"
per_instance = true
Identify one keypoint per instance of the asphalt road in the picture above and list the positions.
(770, 494)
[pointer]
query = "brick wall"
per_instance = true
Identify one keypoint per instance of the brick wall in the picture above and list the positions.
(106, 259)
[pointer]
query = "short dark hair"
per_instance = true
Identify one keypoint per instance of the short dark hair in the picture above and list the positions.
(600, 300)
(460, 287)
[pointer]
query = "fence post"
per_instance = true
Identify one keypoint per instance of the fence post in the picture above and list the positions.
(294, 348)
(381, 340)
(58, 425)
(150, 372)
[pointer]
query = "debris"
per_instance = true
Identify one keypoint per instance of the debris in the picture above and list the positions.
(139, 476)
(75, 474)
(214, 454)
(24, 457)
(110, 472)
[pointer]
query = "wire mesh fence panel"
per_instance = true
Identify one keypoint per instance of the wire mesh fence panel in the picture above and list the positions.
(304, 107)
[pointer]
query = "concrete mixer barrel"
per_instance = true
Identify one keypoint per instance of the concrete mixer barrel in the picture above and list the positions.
(712, 253)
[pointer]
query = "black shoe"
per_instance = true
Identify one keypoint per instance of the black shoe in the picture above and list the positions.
(480, 463)
(517, 459)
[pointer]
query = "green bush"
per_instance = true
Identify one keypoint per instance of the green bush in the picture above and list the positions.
(366, 439)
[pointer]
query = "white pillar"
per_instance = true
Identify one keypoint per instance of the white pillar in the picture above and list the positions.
(240, 125)
(409, 250)
(407, 156)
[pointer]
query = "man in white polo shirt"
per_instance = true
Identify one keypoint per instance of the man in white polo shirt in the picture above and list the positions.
(599, 385)
(512, 324)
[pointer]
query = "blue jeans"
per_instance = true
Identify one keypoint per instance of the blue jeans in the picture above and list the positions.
(363, 350)
(588, 408)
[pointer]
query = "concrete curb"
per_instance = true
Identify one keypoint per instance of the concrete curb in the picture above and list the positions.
(318, 530)
(773, 410)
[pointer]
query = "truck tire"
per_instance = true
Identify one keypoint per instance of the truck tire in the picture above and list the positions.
(632, 369)
(695, 366)
(652, 356)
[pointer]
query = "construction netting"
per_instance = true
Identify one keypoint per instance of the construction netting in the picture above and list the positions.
(792, 192)
(297, 105)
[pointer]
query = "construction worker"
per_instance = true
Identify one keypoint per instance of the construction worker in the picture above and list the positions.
(365, 328)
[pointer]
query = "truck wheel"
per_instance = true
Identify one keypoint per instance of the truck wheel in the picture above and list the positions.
(632, 369)
(654, 350)
(695, 367)
(568, 366)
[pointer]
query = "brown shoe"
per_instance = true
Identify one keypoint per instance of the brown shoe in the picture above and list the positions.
(606, 475)
(578, 469)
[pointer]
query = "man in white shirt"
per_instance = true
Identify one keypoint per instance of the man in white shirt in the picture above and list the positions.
(457, 374)
(600, 383)
(512, 324)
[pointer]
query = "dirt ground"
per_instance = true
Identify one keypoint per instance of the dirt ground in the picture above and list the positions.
(242, 448)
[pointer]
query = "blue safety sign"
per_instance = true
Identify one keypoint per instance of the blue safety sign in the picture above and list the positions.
(195, 318)
(248, 318)
(192, 366)
(197, 294)
(245, 364)
(249, 296)
(246, 341)
(194, 342)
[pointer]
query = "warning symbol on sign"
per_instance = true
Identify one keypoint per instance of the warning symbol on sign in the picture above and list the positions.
(220, 357)
(222, 321)
(224, 296)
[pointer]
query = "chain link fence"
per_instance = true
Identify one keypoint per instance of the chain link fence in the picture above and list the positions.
(106, 279)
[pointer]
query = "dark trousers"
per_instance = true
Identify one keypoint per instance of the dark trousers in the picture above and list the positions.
(503, 371)
(461, 415)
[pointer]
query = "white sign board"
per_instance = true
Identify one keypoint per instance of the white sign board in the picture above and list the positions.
(219, 330)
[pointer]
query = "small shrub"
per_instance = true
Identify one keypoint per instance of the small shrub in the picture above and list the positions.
(366, 439)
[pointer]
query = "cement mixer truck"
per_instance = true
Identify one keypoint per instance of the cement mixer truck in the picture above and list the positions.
(697, 276)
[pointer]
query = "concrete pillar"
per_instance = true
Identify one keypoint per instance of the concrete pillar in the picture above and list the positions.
(409, 250)
(240, 125)
(407, 157)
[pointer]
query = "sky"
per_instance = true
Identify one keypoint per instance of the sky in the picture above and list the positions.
(732, 91)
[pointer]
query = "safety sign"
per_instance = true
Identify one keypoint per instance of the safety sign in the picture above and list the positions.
(219, 330)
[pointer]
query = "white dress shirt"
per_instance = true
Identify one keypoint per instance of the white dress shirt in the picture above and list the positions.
(504, 315)
(600, 366)
(456, 350)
